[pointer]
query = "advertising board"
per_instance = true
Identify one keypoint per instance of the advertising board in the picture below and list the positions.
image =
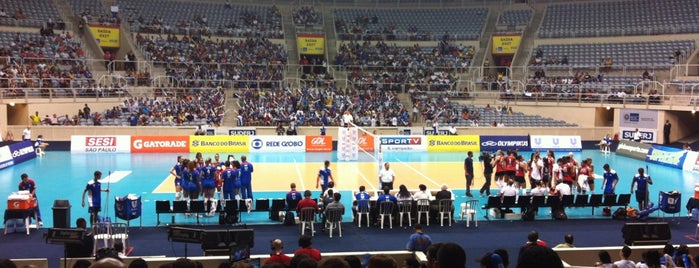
(494, 143)
(159, 144)
(556, 143)
(277, 144)
(453, 143)
(403, 143)
(100, 144)
(219, 144)
(635, 150)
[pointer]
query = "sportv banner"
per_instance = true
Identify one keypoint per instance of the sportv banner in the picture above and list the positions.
(219, 144)
(666, 156)
(556, 143)
(453, 143)
(647, 135)
(635, 150)
(99, 144)
(636, 118)
(277, 144)
(159, 144)
(403, 143)
(494, 143)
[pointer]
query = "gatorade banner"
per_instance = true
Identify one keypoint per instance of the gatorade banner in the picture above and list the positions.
(106, 35)
(311, 44)
(159, 144)
(506, 44)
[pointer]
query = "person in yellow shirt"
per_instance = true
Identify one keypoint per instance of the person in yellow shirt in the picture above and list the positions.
(36, 119)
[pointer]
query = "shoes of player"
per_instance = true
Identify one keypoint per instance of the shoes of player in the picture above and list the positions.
(41, 223)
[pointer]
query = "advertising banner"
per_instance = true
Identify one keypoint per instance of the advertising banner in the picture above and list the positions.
(313, 44)
(159, 144)
(635, 150)
(647, 135)
(494, 143)
(556, 143)
(277, 144)
(506, 44)
(100, 144)
(106, 35)
(666, 156)
(366, 142)
(691, 162)
(453, 143)
(319, 143)
(429, 131)
(218, 144)
(5, 157)
(22, 151)
(242, 131)
(403, 143)
(636, 118)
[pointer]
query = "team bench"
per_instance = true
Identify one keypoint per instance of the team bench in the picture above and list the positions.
(229, 210)
(505, 203)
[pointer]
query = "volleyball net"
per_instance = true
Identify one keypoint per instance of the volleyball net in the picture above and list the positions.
(358, 144)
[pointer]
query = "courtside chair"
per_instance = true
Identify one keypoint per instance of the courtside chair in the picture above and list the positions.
(469, 209)
(101, 231)
(423, 208)
(386, 210)
(307, 216)
(120, 231)
(363, 211)
(445, 210)
(405, 207)
(334, 220)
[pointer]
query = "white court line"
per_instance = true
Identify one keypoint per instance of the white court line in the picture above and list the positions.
(419, 173)
(373, 185)
(298, 172)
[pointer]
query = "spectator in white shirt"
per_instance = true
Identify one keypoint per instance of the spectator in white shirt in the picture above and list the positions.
(422, 193)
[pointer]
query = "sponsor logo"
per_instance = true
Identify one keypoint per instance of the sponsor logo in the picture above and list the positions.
(6, 164)
(631, 148)
(452, 143)
(401, 141)
(196, 143)
(319, 144)
(100, 141)
(645, 135)
(242, 132)
(141, 144)
(256, 144)
(632, 117)
(506, 143)
(318, 141)
(22, 151)
(439, 132)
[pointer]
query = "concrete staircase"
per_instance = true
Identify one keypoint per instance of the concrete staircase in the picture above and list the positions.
(527, 43)
(232, 107)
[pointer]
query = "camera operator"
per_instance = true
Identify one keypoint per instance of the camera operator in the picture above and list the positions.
(486, 158)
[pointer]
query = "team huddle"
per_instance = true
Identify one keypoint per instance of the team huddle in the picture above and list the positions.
(230, 179)
(562, 176)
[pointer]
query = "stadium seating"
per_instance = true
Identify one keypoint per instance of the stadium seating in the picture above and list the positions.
(94, 11)
(645, 17)
(514, 17)
(212, 18)
(412, 24)
(35, 12)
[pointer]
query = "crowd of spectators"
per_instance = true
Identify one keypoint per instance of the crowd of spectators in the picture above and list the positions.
(306, 16)
(316, 106)
(254, 62)
(368, 28)
(42, 61)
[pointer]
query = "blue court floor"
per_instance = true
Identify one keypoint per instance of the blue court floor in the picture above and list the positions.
(62, 175)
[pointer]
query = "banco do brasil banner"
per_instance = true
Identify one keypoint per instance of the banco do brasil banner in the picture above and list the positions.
(453, 143)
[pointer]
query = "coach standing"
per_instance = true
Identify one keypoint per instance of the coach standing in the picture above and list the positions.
(386, 176)
(245, 178)
(666, 132)
(468, 170)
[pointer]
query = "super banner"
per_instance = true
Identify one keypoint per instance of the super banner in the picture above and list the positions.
(556, 143)
(666, 156)
(106, 35)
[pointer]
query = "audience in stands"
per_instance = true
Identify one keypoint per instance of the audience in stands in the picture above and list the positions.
(306, 16)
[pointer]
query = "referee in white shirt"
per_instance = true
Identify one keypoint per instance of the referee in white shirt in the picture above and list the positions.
(386, 176)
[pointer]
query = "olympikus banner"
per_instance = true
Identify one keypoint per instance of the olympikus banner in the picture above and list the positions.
(635, 150)
(494, 143)
(22, 151)
(555, 143)
(666, 156)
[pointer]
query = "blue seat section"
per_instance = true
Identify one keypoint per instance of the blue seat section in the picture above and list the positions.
(413, 24)
(644, 17)
(35, 12)
(515, 17)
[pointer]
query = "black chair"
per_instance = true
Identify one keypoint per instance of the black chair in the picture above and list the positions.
(162, 206)
(493, 202)
(567, 200)
(291, 204)
(262, 204)
(231, 206)
(581, 200)
(539, 201)
(524, 201)
(277, 206)
(179, 206)
(595, 201)
(197, 206)
(624, 200)
(609, 200)
(553, 201)
(509, 201)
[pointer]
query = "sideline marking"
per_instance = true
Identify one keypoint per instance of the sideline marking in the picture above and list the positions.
(298, 172)
(373, 186)
(114, 176)
(418, 172)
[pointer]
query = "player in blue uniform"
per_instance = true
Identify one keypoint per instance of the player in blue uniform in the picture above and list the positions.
(231, 183)
(190, 182)
(610, 180)
(94, 191)
(245, 177)
(177, 172)
(208, 184)
(641, 181)
(28, 184)
(324, 176)
(292, 198)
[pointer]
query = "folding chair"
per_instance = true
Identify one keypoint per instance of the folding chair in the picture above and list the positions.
(445, 209)
(386, 210)
(423, 207)
(363, 210)
(307, 216)
(405, 207)
(333, 217)
(120, 231)
(470, 210)
(101, 231)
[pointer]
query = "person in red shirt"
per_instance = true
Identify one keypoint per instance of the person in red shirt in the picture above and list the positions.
(277, 255)
(306, 249)
(307, 202)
